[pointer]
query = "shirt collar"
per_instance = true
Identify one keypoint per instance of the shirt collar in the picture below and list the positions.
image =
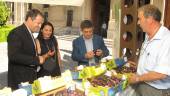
(159, 34)
(87, 39)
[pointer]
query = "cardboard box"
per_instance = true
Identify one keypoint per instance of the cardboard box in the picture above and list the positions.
(98, 90)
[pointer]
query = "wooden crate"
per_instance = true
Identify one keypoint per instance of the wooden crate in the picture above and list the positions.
(62, 91)
(55, 92)
(81, 93)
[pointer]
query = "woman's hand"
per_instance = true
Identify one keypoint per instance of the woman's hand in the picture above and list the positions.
(51, 53)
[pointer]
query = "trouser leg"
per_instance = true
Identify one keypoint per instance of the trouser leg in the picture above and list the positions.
(144, 89)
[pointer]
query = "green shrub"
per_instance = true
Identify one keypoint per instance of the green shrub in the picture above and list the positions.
(4, 31)
(4, 13)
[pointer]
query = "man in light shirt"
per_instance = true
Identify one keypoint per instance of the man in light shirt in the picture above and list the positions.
(153, 72)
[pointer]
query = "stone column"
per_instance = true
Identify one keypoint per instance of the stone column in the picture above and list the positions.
(114, 27)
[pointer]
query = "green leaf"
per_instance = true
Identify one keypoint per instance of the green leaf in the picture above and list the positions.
(4, 13)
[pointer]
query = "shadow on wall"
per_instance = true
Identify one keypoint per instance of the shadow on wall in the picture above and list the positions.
(67, 51)
(59, 31)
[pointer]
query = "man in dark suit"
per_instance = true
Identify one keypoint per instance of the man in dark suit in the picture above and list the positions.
(23, 60)
(88, 49)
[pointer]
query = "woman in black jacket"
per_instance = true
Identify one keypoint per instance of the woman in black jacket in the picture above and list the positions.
(46, 41)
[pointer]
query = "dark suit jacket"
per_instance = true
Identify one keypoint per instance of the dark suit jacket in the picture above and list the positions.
(79, 49)
(22, 59)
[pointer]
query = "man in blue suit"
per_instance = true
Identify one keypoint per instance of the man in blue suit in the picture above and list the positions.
(88, 49)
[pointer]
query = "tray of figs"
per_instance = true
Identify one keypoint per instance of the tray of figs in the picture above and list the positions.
(105, 85)
(127, 68)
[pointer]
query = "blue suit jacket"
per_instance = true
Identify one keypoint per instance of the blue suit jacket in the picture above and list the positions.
(79, 49)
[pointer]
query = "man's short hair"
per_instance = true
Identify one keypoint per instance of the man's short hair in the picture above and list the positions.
(86, 24)
(33, 13)
(151, 10)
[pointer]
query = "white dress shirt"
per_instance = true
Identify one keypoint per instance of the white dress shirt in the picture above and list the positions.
(155, 56)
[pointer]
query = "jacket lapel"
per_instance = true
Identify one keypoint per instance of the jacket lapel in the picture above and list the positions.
(28, 35)
(94, 42)
(82, 45)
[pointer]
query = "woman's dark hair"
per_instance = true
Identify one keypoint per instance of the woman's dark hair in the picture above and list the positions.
(40, 35)
(52, 38)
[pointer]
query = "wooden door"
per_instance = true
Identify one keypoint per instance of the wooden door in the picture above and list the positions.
(69, 18)
(167, 14)
(100, 15)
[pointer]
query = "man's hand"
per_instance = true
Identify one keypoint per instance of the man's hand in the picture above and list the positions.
(134, 79)
(41, 59)
(99, 52)
(89, 55)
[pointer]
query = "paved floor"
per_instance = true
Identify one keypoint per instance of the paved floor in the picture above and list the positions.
(65, 44)
(3, 64)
